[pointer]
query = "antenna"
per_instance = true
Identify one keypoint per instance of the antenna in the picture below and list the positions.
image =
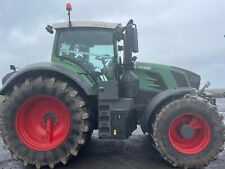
(69, 8)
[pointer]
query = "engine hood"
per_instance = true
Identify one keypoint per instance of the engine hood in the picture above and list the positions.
(182, 77)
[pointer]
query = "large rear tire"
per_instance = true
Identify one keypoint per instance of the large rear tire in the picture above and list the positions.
(189, 133)
(44, 121)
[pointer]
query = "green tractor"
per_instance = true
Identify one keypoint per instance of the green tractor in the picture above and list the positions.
(93, 82)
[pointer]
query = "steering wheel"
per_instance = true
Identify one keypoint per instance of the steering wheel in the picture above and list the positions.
(103, 58)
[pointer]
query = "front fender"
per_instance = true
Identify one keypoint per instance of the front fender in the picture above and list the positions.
(158, 100)
(46, 69)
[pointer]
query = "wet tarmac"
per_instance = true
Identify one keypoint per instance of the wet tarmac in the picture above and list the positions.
(133, 153)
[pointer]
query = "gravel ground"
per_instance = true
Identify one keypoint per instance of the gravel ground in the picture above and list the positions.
(133, 153)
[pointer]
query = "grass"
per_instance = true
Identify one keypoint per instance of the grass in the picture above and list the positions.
(217, 92)
(1, 98)
(217, 89)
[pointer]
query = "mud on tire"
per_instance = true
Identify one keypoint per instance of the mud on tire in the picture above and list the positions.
(195, 148)
(62, 93)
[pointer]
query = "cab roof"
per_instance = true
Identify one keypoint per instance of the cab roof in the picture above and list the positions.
(88, 24)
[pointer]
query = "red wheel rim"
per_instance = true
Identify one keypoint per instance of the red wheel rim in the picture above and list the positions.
(197, 142)
(42, 122)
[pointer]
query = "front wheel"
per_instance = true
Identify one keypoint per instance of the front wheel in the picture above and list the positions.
(188, 133)
(44, 121)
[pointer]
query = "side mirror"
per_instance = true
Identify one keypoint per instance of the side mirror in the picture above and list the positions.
(131, 37)
(135, 40)
(49, 29)
(130, 45)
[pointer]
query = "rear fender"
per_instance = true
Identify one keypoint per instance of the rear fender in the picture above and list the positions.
(47, 69)
(158, 100)
(6, 77)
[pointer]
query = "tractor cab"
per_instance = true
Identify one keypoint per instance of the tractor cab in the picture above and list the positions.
(90, 45)
(93, 46)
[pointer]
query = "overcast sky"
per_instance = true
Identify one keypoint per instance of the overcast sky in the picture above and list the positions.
(184, 33)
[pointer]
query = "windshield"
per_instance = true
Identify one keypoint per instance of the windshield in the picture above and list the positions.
(90, 47)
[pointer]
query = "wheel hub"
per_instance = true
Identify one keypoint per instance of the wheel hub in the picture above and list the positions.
(189, 133)
(50, 116)
(186, 131)
(42, 122)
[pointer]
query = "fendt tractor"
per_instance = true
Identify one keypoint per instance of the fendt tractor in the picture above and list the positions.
(94, 83)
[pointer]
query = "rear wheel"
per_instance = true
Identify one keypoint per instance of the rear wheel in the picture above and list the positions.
(188, 133)
(44, 121)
